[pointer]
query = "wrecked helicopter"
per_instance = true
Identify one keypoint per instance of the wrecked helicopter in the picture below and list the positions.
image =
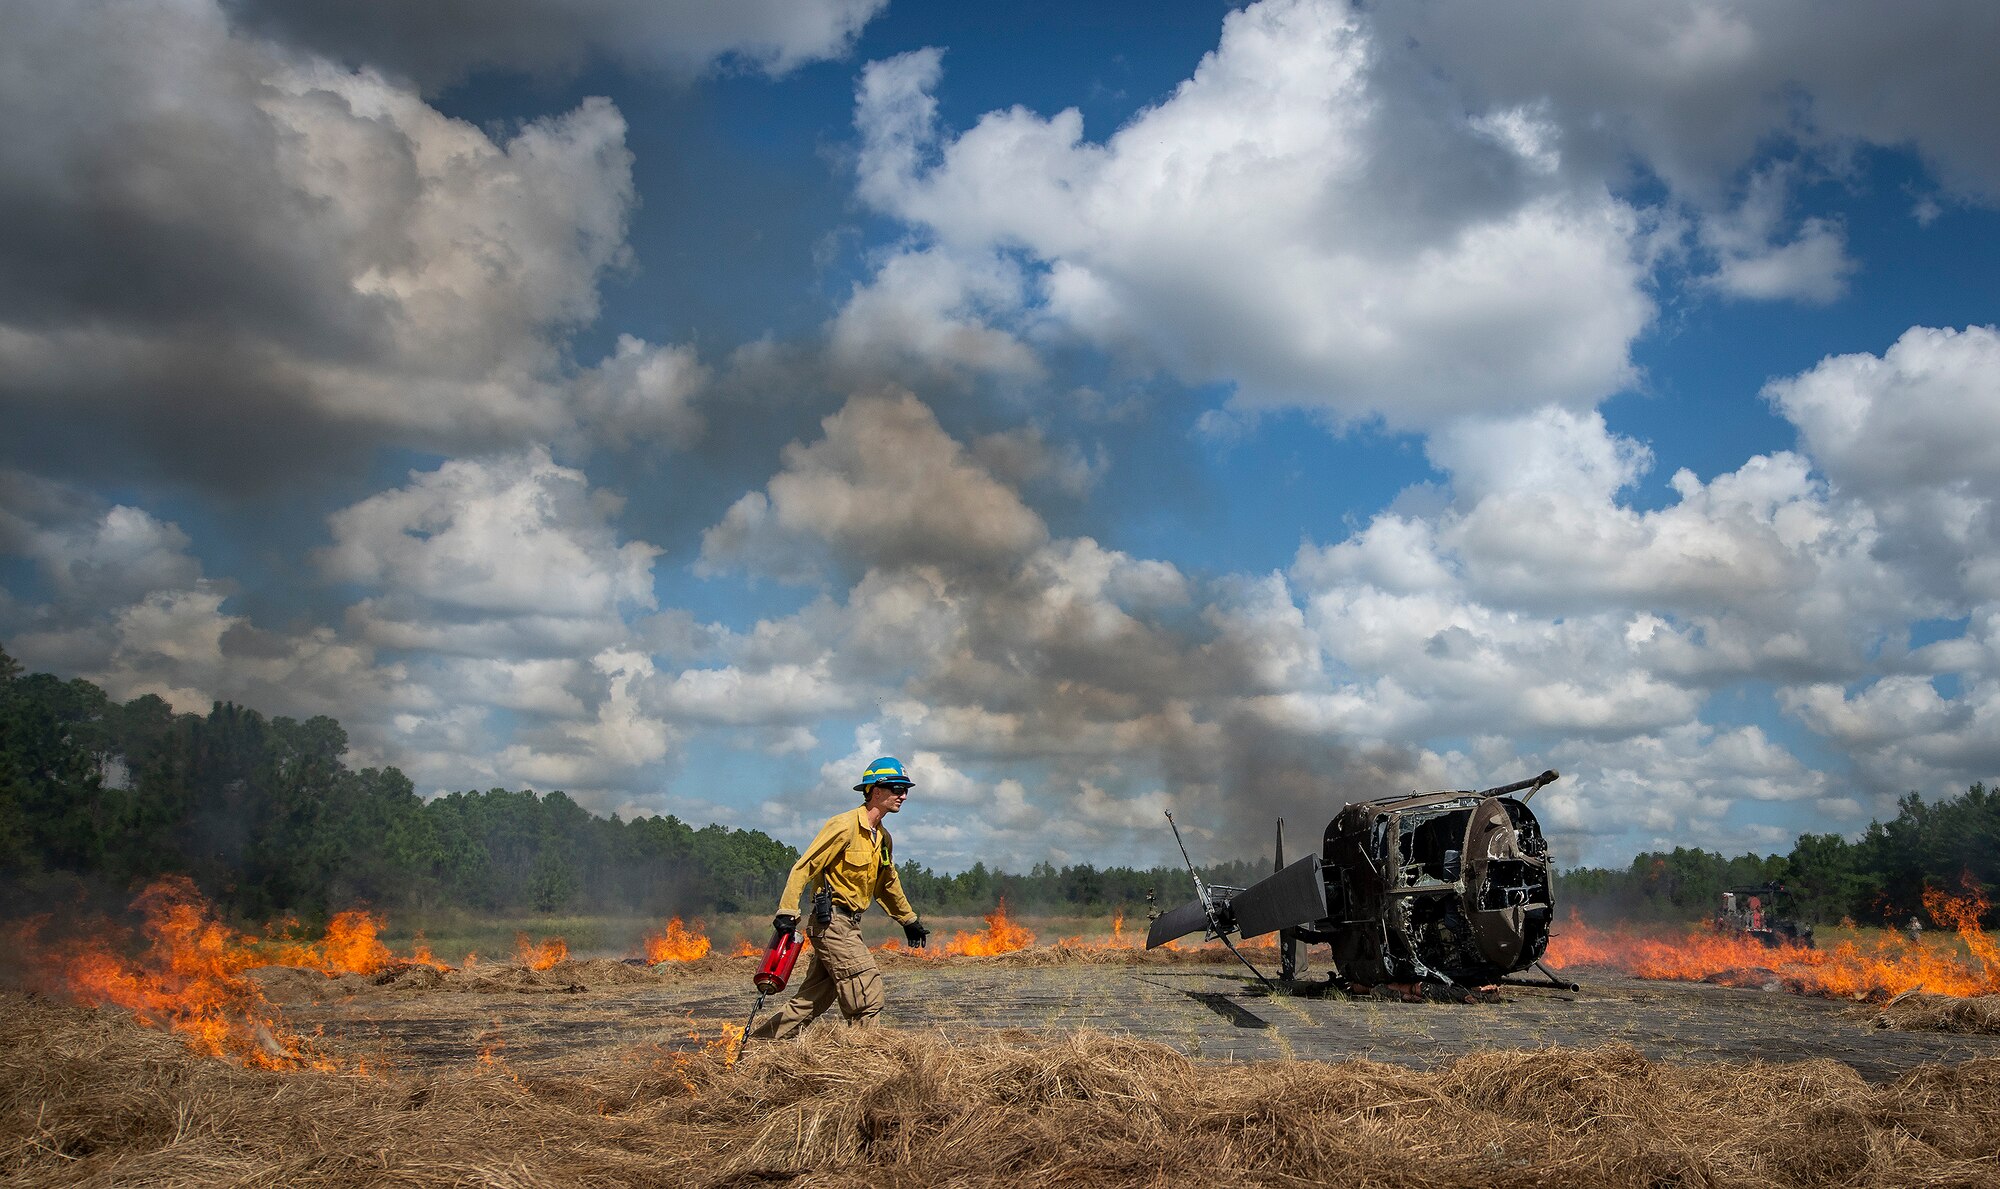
(1450, 889)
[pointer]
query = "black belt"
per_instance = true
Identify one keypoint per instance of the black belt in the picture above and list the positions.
(852, 914)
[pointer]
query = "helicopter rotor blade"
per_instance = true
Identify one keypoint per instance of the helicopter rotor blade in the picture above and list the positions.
(1191, 917)
(1294, 896)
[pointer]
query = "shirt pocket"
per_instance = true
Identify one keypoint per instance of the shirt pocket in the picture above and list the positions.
(860, 854)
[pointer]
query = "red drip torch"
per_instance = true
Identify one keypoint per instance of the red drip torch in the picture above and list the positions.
(779, 959)
(771, 977)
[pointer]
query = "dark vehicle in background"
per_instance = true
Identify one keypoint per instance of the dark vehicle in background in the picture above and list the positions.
(1763, 912)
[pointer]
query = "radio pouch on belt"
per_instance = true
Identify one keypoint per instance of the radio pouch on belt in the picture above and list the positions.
(823, 906)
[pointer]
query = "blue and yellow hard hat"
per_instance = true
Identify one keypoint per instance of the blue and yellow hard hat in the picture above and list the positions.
(886, 770)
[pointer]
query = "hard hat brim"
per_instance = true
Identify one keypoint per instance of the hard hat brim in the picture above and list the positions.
(894, 784)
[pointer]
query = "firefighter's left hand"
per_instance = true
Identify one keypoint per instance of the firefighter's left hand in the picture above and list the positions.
(916, 934)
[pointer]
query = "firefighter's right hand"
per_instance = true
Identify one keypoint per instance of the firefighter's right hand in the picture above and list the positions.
(785, 922)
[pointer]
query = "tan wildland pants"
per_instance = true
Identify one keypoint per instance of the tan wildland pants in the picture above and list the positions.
(839, 969)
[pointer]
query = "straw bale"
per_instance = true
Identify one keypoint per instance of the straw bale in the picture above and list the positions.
(92, 1098)
(713, 962)
(1916, 1011)
(412, 979)
(603, 972)
(290, 984)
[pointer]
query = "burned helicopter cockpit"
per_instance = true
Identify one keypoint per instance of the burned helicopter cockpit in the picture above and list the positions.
(1449, 887)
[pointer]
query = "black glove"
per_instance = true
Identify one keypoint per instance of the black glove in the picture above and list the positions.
(916, 934)
(785, 922)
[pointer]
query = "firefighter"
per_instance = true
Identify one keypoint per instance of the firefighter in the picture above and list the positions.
(851, 864)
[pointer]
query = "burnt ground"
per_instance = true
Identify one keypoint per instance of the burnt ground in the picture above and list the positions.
(1208, 1011)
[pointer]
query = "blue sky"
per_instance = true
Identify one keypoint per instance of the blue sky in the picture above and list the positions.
(1111, 408)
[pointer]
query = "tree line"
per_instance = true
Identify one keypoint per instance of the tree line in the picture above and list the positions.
(268, 820)
(1047, 888)
(1878, 879)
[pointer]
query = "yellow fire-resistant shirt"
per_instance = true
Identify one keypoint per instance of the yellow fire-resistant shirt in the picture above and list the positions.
(853, 860)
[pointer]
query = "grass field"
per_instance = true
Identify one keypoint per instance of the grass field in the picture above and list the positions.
(1048, 1065)
(451, 936)
(90, 1098)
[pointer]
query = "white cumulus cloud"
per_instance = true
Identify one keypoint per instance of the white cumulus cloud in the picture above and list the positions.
(1288, 221)
(515, 541)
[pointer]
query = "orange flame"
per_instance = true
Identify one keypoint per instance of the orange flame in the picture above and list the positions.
(1001, 936)
(676, 943)
(725, 1047)
(351, 945)
(420, 955)
(539, 955)
(489, 1062)
(1117, 940)
(1886, 967)
(745, 948)
(187, 976)
(1004, 935)
(1962, 913)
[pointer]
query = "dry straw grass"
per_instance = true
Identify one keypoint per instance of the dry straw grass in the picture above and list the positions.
(288, 984)
(1915, 1011)
(90, 1098)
